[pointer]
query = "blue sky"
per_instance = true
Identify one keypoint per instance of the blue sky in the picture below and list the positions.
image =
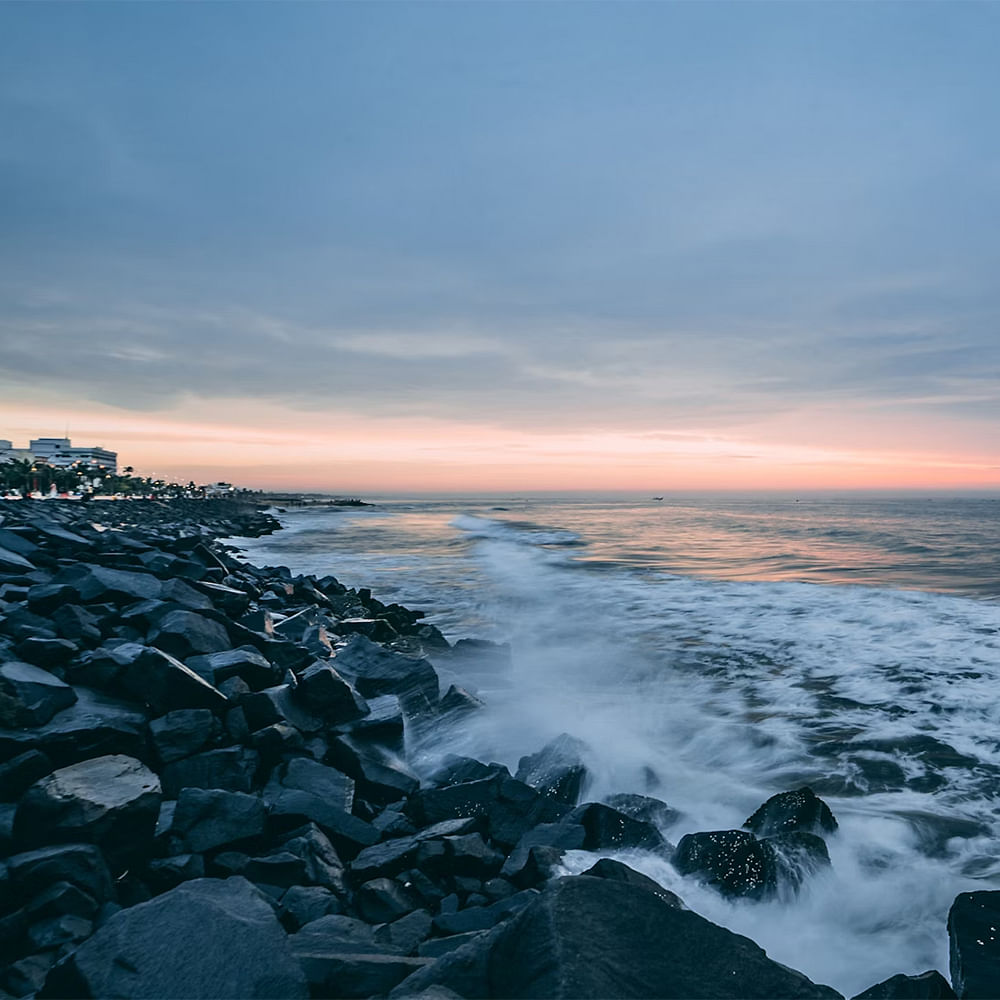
(538, 216)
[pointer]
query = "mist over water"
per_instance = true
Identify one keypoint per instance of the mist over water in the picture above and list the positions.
(681, 642)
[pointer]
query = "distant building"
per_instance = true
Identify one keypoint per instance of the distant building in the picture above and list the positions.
(60, 452)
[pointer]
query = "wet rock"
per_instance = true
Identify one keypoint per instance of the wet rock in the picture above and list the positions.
(929, 985)
(232, 769)
(113, 801)
(797, 856)
(310, 776)
(45, 598)
(12, 562)
(246, 663)
(31, 696)
(457, 702)
(403, 936)
(607, 828)
(974, 936)
(204, 939)
(163, 682)
(323, 865)
(644, 807)
(788, 812)
(349, 834)
(733, 861)
(380, 776)
(208, 818)
(468, 854)
(277, 706)
(382, 900)
(356, 975)
(564, 945)
(618, 872)
(324, 692)
(383, 724)
(377, 670)
(557, 769)
(186, 633)
(394, 856)
(181, 733)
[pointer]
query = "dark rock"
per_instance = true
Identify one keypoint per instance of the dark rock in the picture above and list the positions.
(178, 592)
(456, 770)
(95, 725)
(310, 776)
(392, 823)
(377, 670)
(472, 918)
(377, 629)
(929, 985)
(323, 865)
(166, 684)
(618, 872)
(469, 854)
(11, 561)
(302, 904)
(788, 812)
(27, 976)
(733, 861)
(394, 856)
(61, 899)
(81, 865)
(209, 818)
(13, 541)
(607, 828)
(403, 936)
(186, 633)
(246, 663)
(459, 702)
(324, 692)
(380, 776)
(973, 923)
(356, 975)
(230, 768)
(349, 834)
(564, 945)
(101, 585)
(797, 856)
(165, 873)
(19, 773)
(276, 705)
(46, 653)
(383, 724)
(557, 769)
(435, 948)
(382, 900)
(644, 807)
(204, 939)
(45, 598)
(113, 801)
(281, 869)
(74, 622)
(524, 868)
(56, 932)
(31, 696)
(181, 733)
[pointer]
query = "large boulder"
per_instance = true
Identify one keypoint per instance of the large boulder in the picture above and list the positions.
(246, 663)
(208, 818)
(734, 862)
(589, 937)
(791, 812)
(80, 865)
(323, 691)
(930, 985)
(186, 633)
(975, 944)
(181, 733)
(113, 801)
(30, 696)
(377, 670)
(205, 939)
(557, 769)
(102, 585)
(164, 683)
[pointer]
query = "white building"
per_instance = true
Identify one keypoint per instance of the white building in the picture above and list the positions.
(60, 452)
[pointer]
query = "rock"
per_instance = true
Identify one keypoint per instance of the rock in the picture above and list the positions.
(246, 663)
(323, 865)
(618, 872)
(607, 828)
(204, 939)
(334, 933)
(310, 776)
(788, 812)
(58, 932)
(277, 706)
(181, 733)
(27, 976)
(324, 692)
(382, 900)
(165, 873)
(468, 854)
(929, 985)
(166, 684)
(456, 701)
(564, 945)
(734, 862)
(380, 776)
(21, 772)
(356, 975)
(557, 769)
(797, 856)
(384, 723)
(377, 670)
(394, 856)
(230, 768)
(11, 561)
(209, 818)
(45, 598)
(31, 696)
(403, 936)
(81, 865)
(973, 923)
(186, 633)
(62, 899)
(113, 801)
(644, 807)
(101, 585)
(74, 622)
(302, 904)
(349, 834)
(46, 653)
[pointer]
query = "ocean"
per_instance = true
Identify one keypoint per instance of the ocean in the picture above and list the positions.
(714, 650)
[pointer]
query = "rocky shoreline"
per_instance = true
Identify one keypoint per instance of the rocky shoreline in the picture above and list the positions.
(205, 792)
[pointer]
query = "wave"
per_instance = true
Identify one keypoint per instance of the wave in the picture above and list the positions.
(517, 532)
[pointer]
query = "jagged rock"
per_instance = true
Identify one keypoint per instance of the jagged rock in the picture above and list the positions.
(74, 622)
(930, 985)
(181, 733)
(277, 706)
(557, 769)
(468, 854)
(81, 865)
(62, 899)
(606, 828)
(394, 856)
(302, 904)
(232, 769)
(208, 818)
(404, 935)
(645, 807)
(46, 653)
(204, 939)
(973, 923)
(165, 873)
(44, 598)
(113, 801)
(11, 561)
(58, 932)
(380, 776)
(456, 701)
(733, 861)
(31, 696)
(381, 900)
(245, 662)
(101, 585)
(523, 868)
(356, 975)
(96, 725)
(279, 869)
(349, 834)
(27, 976)
(334, 933)
(618, 872)
(166, 684)
(179, 592)
(324, 692)
(21, 772)
(323, 865)
(187, 633)
(308, 775)
(392, 823)
(797, 856)
(377, 670)
(788, 812)
(564, 945)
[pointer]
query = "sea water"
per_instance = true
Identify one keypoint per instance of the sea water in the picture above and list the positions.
(715, 650)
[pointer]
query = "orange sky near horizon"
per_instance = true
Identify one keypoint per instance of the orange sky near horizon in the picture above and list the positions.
(262, 446)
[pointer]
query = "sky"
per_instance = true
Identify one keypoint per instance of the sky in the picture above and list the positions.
(478, 246)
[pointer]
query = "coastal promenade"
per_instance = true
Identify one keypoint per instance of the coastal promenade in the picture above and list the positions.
(205, 791)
